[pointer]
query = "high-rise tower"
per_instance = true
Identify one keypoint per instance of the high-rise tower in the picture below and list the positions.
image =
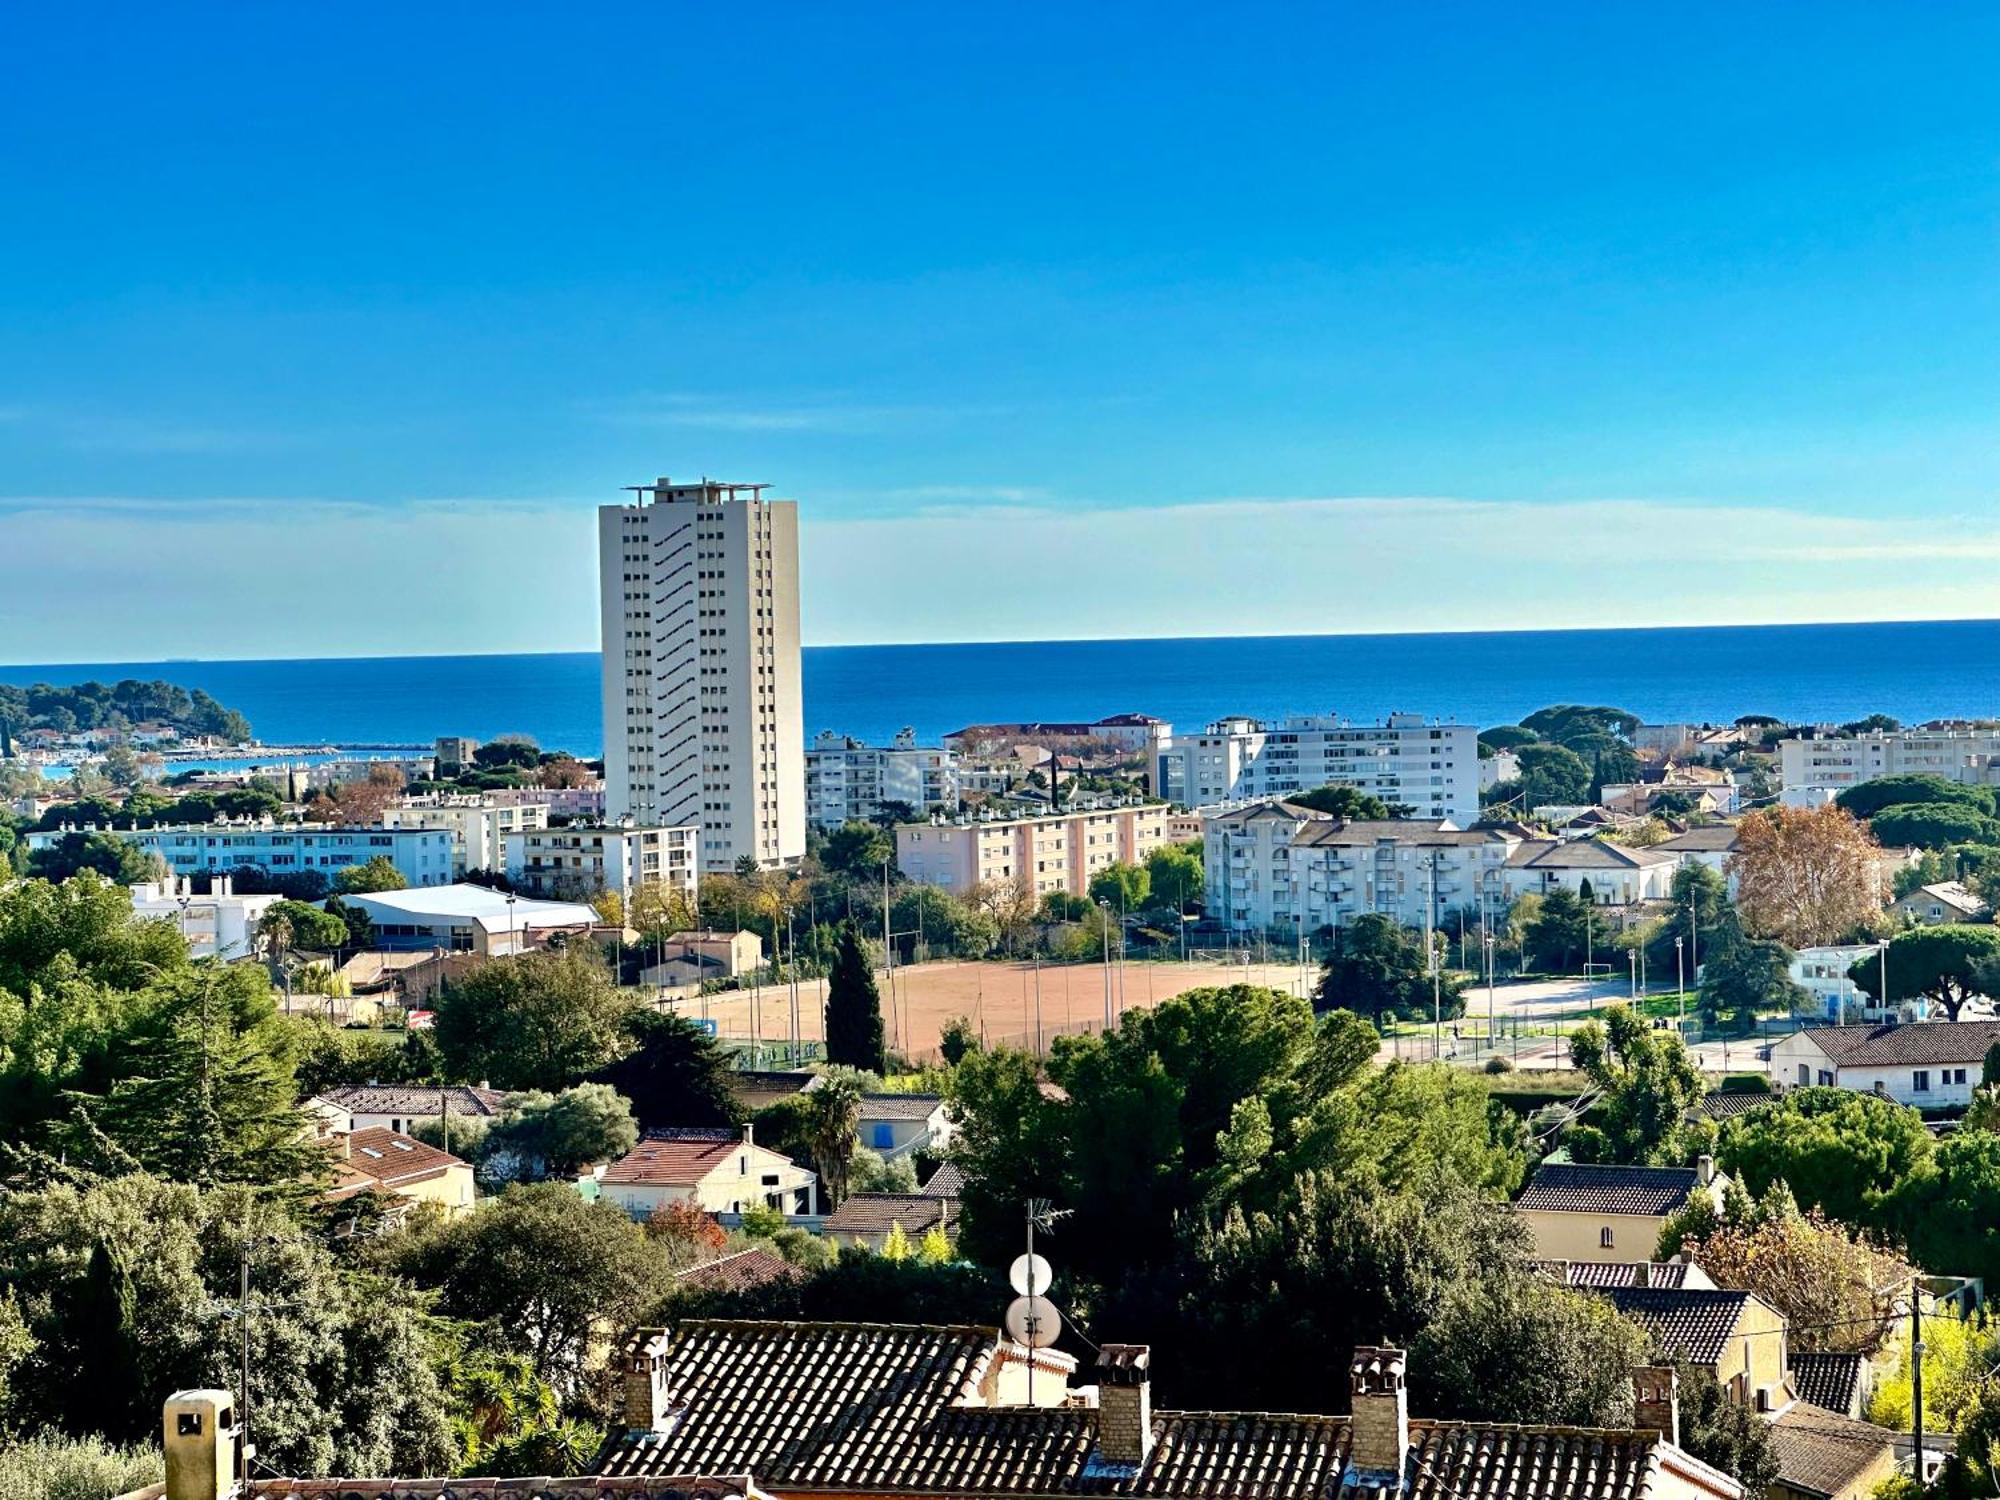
(703, 723)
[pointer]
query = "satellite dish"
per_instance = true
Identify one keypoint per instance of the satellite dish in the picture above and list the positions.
(1030, 1275)
(1033, 1321)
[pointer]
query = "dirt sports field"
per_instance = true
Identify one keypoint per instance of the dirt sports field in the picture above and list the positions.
(999, 997)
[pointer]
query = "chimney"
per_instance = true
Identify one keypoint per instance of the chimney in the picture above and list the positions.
(200, 1436)
(645, 1405)
(1656, 1400)
(749, 1134)
(1124, 1403)
(1380, 1424)
(1704, 1167)
(1642, 1274)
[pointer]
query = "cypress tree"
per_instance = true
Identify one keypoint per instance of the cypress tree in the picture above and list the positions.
(853, 1007)
(108, 1376)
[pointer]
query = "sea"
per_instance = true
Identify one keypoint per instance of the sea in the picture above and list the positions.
(1801, 673)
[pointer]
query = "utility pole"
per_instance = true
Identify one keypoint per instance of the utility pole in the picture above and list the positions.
(1105, 907)
(1680, 982)
(243, 1316)
(1917, 1375)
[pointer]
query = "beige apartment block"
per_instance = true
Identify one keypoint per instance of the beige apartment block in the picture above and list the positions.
(1053, 852)
(703, 719)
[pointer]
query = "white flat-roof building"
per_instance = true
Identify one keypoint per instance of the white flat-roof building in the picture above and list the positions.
(1051, 852)
(220, 924)
(703, 715)
(422, 856)
(479, 828)
(577, 862)
(1964, 753)
(1430, 767)
(849, 780)
(469, 919)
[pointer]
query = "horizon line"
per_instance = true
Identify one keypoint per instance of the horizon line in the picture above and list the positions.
(1331, 635)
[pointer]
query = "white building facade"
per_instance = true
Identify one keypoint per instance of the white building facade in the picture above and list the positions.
(1280, 868)
(575, 863)
(422, 856)
(220, 924)
(1927, 1064)
(703, 721)
(478, 828)
(1432, 768)
(1833, 763)
(848, 780)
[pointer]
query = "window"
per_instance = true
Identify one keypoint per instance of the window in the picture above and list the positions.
(1955, 1075)
(1604, 1238)
(1805, 1075)
(1920, 1081)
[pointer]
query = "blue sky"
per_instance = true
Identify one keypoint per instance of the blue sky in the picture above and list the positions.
(322, 329)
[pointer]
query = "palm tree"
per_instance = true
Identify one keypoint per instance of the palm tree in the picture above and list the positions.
(833, 1125)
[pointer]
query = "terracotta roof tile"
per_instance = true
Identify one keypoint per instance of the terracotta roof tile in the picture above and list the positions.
(1695, 1323)
(1916, 1042)
(874, 1213)
(1829, 1378)
(948, 1181)
(738, 1272)
(900, 1106)
(1601, 1275)
(414, 1100)
(1822, 1452)
(894, 1409)
(379, 1157)
(674, 1158)
(1575, 1187)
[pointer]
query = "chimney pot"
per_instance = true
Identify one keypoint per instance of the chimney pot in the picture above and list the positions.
(1656, 1400)
(1380, 1422)
(1705, 1167)
(1124, 1403)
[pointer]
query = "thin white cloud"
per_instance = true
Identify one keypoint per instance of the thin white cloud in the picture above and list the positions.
(111, 578)
(115, 432)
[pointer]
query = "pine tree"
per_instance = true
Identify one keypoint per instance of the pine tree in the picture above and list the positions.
(853, 1007)
(206, 1086)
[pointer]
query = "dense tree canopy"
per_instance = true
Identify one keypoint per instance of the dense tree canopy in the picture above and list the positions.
(1647, 1084)
(1934, 825)
(121, 705)
(541, 1020)
(673, 1075)
(1844, 1153)
(1935, 963)
(1806, 876)
(1342, 801)
(1871, 797)
(1376, 966)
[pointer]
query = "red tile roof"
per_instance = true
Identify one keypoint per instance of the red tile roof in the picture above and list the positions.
(738, 1272)
(379, 1157)
(678, 1159)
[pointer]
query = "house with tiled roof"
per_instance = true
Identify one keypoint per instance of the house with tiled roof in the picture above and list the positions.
(382, 1161)
(948, 1181)
(738, 1272)
(1615, 875)
(824, 1409)
(1825, 1455)
(1597, 1275)
(202, 1434)
(1737, 1335)
(757, 1089)
(1929, 1064)
(402, 1106)
(867, 1219)
(1836, 1380)
(1589, 1211)
(894, 1125)
(720, 1171)
(1946, 901)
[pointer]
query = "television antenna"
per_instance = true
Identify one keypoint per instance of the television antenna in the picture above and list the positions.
(1032, 1320)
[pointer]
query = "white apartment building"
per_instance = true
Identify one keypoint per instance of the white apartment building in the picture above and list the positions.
(478, 828)
(422, 856)
(699, 596)
(1277, 867)
(1432, 768)
(847, 779)
(575, 863)
(1835, 762)
(1051, 852)
(221, 924)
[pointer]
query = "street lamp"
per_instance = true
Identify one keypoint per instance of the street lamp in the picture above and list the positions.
(1492, 1022)
(513, 931)
(1680, 981)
